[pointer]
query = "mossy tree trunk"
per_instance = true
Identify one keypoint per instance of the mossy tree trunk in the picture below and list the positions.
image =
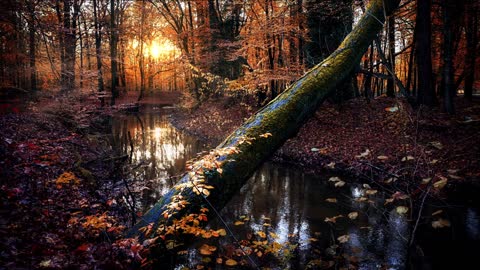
(217, 176)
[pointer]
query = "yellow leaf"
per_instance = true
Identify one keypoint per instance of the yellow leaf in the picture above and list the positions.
(231, 262)
(334, 179)
(407, 158)
(267, 224)
(344, 238)
(426, 180)
(219, 260)
(387, 201)
(331, 200)
(333, 219)
(312, 239)
(206, 192)
(353, 215)
(440, 184)
(402, 210)
(266, 135)
(371, 192)
(222, 232)
(262, 234)
(339, 184)
(238, 223)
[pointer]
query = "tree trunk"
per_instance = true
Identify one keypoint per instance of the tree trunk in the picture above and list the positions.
(220, 174)
(391, 56)
(141, 56)
(32, 49)
(98, 52)
(471, 30)
(425, 90)
(448, 80)
(113, 53)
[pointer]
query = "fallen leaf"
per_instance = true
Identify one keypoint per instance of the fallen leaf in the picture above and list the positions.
(238, 223)
(402, 210)
(339, 184)
(353, 215)
(441, 223)
(387, 201)
(437, 212)
(333, 219)
(46, 263)
(382, 157)
(407, 158)
(331, 200)
(207, 250)
(436, 144)
(441, 183)
(230, 262)
(219, 260)
(221, 232)
(344, 238)
(426, 180)
(262, 234)
(371, 192)
(364, 154)
(334, 179)
(392, 109)
(331, 165)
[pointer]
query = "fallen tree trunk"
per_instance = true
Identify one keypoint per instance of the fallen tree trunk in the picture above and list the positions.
(217, 176)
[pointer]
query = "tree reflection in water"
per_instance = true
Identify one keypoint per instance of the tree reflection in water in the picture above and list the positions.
(161, 149)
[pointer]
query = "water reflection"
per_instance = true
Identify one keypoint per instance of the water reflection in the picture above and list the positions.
(290, 208)
(295, 206)
(158, 150)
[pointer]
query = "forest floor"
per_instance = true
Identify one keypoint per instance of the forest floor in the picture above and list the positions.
(60, 199)
(382, 141)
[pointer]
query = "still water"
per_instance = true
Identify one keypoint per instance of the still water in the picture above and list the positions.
(279, 216)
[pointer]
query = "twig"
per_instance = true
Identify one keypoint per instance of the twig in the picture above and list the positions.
(412, 237)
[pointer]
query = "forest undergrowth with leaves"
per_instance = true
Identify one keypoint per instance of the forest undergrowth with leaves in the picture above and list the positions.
(384, 140)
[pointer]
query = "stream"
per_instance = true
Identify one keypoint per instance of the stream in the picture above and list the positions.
(287, 219)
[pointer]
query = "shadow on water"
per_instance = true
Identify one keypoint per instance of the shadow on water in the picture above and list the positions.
(279, 216)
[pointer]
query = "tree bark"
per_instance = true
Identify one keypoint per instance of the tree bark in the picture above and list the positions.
(98, 52)
(391, 56)
(113, 53)
(471, 31)
(223, 172)
(448, 79)
(32, 47)
(425, 90)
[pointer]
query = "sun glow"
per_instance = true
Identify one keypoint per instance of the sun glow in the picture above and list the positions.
(162, 49)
